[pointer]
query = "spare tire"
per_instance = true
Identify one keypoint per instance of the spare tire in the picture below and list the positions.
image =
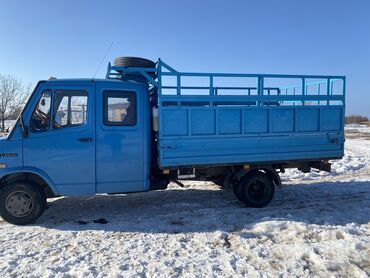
(135, 62)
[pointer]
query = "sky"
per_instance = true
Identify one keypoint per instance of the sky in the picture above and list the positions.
(39, 39)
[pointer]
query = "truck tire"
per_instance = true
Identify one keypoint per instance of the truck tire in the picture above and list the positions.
(256, 190)
(133, 62)
(21, 203)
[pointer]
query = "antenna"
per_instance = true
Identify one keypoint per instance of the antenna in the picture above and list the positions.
(102, 60)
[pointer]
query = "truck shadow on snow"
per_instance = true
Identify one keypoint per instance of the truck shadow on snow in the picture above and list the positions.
(197, 210)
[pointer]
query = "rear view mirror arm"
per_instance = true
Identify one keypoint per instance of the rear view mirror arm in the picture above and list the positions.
(23, 127)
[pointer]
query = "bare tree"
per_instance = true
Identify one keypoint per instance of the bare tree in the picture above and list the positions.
(13, 94)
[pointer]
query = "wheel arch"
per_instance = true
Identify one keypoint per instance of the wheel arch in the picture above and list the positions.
(33, 175)
(269, 171)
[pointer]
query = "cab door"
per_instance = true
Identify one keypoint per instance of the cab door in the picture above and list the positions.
(122, 139)
(61, 140)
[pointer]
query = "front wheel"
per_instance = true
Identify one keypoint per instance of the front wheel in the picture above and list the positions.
(21, 203)
(255, 190)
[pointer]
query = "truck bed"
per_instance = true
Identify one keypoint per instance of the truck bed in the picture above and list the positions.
(234, 124)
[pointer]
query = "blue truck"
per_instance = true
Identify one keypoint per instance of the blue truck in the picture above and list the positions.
(147, 124)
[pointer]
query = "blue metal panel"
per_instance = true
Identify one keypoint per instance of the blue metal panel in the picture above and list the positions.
(282, 120)
(256, 120)
(11, 153)
(308, 119)
(330, 118)
(175, 122)
(229, 121)
(197, 151)
(203, 122)
(253, 147)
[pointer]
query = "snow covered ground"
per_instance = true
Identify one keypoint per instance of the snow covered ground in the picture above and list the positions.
(317, 225)
(358, 131)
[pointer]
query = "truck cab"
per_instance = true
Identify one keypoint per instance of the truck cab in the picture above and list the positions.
(79, 137)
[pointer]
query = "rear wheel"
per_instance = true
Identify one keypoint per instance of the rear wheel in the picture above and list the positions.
(255, 190)
(21, 203)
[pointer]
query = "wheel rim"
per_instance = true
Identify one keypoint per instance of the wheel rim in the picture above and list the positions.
(257, 190)
(19, 204)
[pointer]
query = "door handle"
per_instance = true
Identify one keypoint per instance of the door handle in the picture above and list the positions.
(85, 139)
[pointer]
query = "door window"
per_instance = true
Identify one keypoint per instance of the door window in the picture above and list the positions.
(40, 120)
(70, 108)
(120, 108)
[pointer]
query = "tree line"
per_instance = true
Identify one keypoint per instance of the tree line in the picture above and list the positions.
(13, 95)
(356, 119)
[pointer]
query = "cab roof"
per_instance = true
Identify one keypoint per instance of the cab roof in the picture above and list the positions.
(76, 81)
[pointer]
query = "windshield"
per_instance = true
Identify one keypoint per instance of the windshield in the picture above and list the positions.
(14, 123)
